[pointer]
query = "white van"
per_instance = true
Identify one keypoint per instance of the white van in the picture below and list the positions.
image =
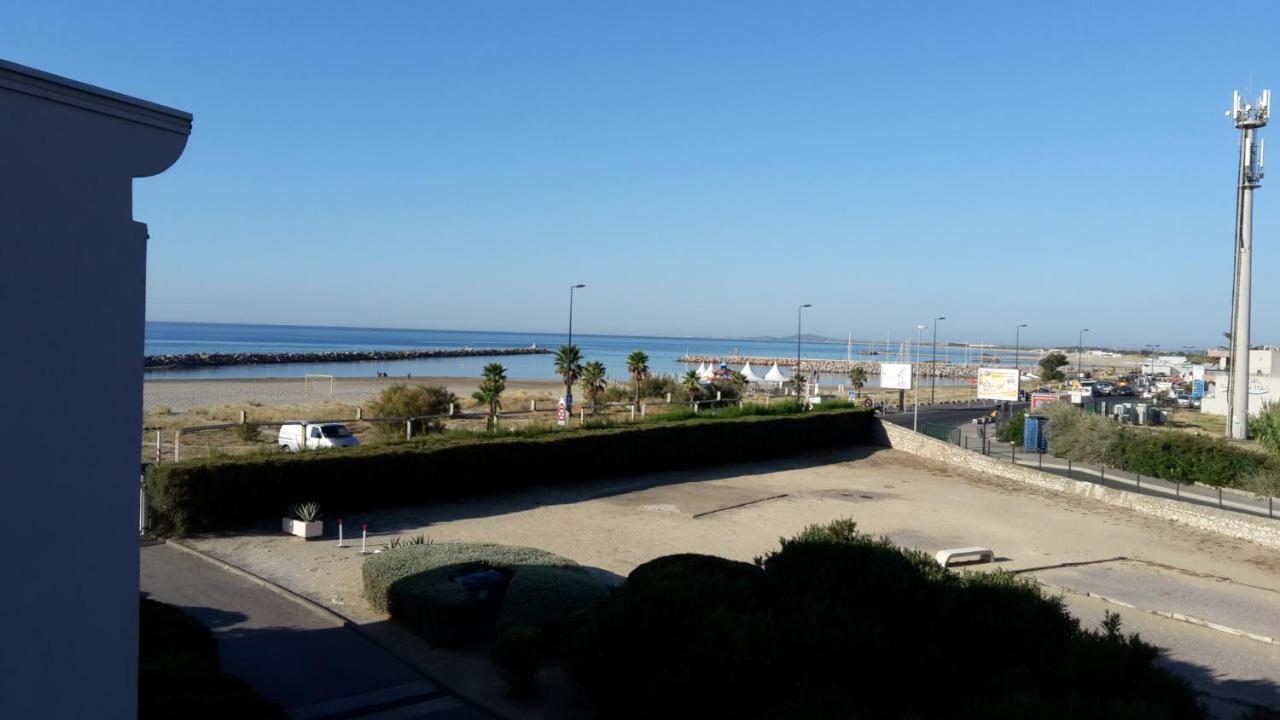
(309, 435)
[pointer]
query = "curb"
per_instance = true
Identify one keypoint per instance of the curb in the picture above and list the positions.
(336, 618)
(1190, 619)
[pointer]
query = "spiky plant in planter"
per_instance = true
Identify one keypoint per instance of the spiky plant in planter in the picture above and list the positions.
(304, 520)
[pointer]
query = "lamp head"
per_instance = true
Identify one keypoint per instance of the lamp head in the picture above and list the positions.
(807, 305)
(575, 287)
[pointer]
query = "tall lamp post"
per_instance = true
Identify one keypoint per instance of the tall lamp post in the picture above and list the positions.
(915, 417)
(571, 289)
(1080, 352)
(1017, 355)
(796, 376)
(933, 385)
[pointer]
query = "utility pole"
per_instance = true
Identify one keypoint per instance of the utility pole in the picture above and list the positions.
(915, 418)
(1017, 355)
(933, 385)
(796, 376)
(1249, 119)
(1080, 352)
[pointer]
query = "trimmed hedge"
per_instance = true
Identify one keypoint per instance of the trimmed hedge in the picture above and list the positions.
(1186, 458)
(179, 674)
(223, 493)
(384, 569)
(538, 604)
(838, 624)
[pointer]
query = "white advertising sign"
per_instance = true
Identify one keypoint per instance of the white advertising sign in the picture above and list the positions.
(895, 376)
(997, 383)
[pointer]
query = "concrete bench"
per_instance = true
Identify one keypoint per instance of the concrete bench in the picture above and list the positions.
(945, 558)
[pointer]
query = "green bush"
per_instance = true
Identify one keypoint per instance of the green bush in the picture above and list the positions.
(1187, 458)
(405, 401)
(538, 603)
(1012, 431)
(179, 674)
(1265, 428)
(838, 624)
(1081, 436)
(517, 655)
(380, 571)
(222, 493)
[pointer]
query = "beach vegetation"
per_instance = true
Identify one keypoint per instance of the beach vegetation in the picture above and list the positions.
(594, 379)
(492, 384)
(858, 377)
(651, 386)
(692, 385)
(568, 361)
(417, 401)
(1265, 428)
(249, 432)
(638, 369)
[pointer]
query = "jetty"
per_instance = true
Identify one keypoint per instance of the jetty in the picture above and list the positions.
(190, 360)
(926, 369)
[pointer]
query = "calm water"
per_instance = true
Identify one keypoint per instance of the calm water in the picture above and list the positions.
(179, 338)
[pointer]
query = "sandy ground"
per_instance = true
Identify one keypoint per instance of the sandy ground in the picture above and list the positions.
(740, 512)
(180, 396)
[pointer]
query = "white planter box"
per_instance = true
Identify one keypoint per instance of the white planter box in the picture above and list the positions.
(302, 529)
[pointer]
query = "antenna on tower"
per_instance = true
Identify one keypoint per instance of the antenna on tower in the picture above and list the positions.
(1249, 119)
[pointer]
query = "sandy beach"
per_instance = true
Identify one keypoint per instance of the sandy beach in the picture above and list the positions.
(180, 396)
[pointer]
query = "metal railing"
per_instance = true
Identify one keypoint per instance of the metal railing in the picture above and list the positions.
(972, 438)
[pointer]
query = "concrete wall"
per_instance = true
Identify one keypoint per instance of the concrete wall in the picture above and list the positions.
(1259, 530)
(72, 285)
(1263, 389)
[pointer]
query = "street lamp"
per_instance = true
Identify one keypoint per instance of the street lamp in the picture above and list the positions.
(796, 376)
(571, 289)
(933, 385)
(915, 416)
(1017, 355)
(1080, 352)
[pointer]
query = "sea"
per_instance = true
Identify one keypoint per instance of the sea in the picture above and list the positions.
(168, 338)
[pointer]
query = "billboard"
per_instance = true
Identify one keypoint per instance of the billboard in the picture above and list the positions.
(895, 376)
(997, 383)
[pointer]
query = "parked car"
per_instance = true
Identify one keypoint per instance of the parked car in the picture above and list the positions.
(1125, 390)
(1103, 388)
(1183, 400)
(302, 434)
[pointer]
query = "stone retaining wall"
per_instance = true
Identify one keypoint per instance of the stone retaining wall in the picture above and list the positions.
(1259, 530)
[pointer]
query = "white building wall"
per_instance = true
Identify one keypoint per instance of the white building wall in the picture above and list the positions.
(72, 285)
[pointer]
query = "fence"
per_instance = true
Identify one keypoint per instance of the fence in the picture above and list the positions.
(982, 440)
(155, 451)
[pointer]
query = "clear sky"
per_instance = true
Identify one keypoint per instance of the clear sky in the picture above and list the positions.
(703, 167)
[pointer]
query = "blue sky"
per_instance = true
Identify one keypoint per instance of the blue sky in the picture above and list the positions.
(703, 167)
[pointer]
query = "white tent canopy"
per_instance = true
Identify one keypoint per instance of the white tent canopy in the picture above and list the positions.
(707, 372)
(750, 374)
(775, 375)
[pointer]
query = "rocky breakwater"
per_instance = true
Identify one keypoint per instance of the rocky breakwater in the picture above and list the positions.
(760, 365)
(276, 358)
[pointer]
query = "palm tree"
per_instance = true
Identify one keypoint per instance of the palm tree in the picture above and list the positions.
(692, 384)
(569, 366)
(858, 378)
(493, 382)
(638, 367)
(594, 381)
(739, 382)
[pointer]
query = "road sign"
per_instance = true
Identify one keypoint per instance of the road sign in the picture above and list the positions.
(562, 413)
(853, 396)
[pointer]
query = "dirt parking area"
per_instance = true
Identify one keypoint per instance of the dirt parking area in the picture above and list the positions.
(740, 512)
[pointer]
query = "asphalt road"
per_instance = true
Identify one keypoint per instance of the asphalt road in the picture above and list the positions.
(292, 655)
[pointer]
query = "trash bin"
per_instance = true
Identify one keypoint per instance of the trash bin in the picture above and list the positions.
(484, 584)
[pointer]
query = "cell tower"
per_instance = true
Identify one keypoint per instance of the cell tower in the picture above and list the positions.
(1249, 119)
